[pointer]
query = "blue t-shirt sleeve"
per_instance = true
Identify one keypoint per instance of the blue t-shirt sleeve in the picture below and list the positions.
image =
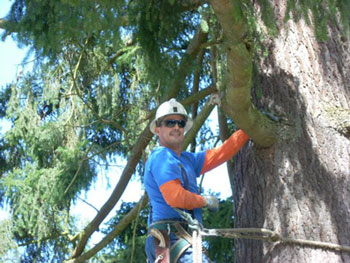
(166, 168)
(197, 160)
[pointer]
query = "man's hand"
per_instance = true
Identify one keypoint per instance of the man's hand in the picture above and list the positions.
(212, 202)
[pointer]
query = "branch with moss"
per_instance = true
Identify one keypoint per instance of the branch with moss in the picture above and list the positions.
(237, 102)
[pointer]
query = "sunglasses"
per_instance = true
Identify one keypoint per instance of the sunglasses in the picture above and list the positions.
(171, 123)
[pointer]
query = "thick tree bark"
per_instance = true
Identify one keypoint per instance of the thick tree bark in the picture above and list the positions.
(300, 187)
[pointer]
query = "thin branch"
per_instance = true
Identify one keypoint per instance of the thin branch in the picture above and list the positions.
(123, 223)
(135, 227)
(78, 171)
(198, 122)
(192, 51)
(92, 206)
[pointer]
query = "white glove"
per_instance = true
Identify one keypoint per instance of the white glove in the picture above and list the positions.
(212, 203)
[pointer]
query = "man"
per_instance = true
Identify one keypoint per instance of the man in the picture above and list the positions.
(170, 182)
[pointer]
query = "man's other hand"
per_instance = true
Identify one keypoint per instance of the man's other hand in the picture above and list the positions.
(212, 202)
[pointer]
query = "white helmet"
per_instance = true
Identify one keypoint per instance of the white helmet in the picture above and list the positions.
(171, 107)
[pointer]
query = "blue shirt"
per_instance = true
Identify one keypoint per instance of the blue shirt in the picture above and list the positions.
(165, 165)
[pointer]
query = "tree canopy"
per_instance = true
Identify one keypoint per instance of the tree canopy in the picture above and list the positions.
(100, 70)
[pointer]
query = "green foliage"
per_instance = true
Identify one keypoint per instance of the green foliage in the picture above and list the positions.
(47, 25)
(5, 94)
(47, 252)
(43, 157)
(6, 239)
(63, 126)
(220, 249)
(163, 32)
(129, 245)
(100, 68)
(52, 250)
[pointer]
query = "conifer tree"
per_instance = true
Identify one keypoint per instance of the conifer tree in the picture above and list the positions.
(102, 67)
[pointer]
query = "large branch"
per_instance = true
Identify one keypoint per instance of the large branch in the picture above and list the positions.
(237, 102)
(2, 23)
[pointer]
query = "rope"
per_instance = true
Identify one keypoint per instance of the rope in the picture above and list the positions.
(196, 235)
(271, 236)
(197, 246)
(192, 222)
(258, 234)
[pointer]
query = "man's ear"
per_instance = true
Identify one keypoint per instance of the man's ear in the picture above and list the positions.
(156, 130)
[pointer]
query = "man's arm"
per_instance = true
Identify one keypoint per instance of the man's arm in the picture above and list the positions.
(216, 156)
(177, 196)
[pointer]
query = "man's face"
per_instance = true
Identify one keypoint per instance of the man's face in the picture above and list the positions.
(171, 137)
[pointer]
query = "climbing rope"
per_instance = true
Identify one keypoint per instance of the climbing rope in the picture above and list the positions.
(253, 233)
(197, 246)
(196, 235)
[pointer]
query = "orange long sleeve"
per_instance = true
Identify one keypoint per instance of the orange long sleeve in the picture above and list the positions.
(216, 156)
(177, 196)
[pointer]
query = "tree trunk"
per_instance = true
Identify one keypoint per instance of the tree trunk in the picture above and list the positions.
(300, 187)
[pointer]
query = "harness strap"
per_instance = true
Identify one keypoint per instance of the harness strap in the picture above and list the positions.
(162, 244)
(177, 249)
(161, 230)
(182, 233)
(186, 184)
(184, 241)
(160, 236)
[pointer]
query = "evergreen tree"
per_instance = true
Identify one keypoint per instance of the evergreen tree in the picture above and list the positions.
(102, 67)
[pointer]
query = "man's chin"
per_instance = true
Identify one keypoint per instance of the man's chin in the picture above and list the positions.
(177, 139)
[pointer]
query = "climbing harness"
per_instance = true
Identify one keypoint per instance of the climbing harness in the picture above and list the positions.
(161, 231)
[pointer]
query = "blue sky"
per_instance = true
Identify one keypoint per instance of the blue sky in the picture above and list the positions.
(11, 56)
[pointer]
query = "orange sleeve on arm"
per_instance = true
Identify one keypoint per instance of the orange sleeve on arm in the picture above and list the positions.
(177, 196)
(216, 156)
